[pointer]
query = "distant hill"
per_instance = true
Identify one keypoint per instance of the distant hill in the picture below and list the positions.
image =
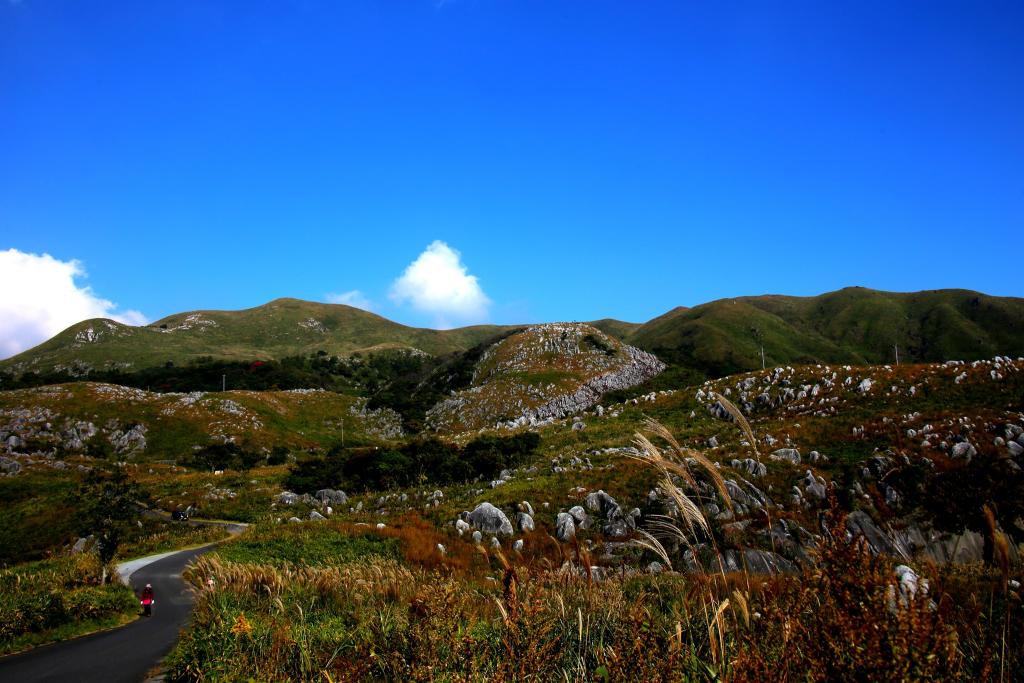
(281, 328)
(853, 325)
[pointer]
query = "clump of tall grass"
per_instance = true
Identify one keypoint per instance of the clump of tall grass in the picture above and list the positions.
(53, 596)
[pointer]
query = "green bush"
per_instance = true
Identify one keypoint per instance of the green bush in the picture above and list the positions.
(423, 461)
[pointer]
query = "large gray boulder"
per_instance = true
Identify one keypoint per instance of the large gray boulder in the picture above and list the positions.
(580, 517)
(287, 498)
(525, 522)
(858, 523)
(331, 497)
(488, 518)
(964, 449)
(565, 527)
(9, 466)
(790, 454)
(599, 501)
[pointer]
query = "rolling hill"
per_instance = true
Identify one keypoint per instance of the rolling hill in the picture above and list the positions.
(281, 328)
(852, 325)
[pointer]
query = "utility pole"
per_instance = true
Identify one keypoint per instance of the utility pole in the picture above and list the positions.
(223, 382)
(343, 433)
(897, 347)
(762, 356)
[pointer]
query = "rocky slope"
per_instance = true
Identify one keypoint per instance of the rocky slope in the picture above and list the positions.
(542, 374)
(110, 421)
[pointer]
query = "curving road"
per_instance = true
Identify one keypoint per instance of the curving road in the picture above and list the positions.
(125, 654)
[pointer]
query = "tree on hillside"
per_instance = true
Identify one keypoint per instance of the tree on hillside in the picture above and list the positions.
(109, 505)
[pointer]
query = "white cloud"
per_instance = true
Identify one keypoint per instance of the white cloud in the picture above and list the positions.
(437, 283)
(354, 298)
(39, 298)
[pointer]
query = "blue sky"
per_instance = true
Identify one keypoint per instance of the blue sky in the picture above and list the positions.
(584, 159)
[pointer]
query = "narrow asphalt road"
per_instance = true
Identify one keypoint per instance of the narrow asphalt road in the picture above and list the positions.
(125, 654)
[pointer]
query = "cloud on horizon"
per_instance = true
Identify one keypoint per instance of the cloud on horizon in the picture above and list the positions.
(438, 283)
(39, 298)
(354, 298)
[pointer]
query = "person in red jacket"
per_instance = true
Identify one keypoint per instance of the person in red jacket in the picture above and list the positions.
(147, 600)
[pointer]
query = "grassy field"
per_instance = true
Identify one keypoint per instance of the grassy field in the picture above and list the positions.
(383, 609)
(343, 599)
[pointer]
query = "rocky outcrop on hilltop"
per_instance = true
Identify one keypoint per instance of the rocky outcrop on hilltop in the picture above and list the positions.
(642, 367)
(542, 374)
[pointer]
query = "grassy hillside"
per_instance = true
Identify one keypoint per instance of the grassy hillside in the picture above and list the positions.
(853, 325)
(283, 327)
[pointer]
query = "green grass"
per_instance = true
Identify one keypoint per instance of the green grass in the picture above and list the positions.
(157, 536)
(305, 544)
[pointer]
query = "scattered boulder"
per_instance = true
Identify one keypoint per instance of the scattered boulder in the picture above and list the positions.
(858, 523)
(331, 497)
(9, 466)
(488, 518)
(565, 527)
(579, 516)
(287, 498)
(814, 486)
(790, 454)
(525, 522)
(316, 516)
(964, 449)
(599, 501)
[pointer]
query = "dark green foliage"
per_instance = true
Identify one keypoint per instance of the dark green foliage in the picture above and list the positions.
(222, 456)
(413, 389)
(596, 342)
(109, 505)
(488, 455)
(422, 461)
(278, 456)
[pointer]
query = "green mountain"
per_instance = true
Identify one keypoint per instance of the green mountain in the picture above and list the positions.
(853, 325)
(281, 328)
